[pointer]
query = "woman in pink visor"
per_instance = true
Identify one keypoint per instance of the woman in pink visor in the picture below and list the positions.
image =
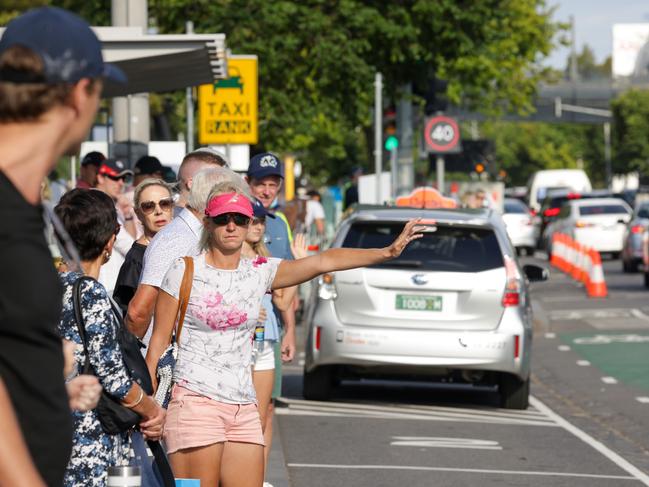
(212, 429)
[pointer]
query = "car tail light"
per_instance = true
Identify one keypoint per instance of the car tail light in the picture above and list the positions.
(637, 229)
(583, 224)
(327, 288)
(574, 196)
(318, 335)
(313, 248)
(534, 212)
(512, 294)
(551, 212)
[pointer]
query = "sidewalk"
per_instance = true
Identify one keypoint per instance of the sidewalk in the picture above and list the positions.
(277, 474)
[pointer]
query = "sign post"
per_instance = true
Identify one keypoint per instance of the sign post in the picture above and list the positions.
(442, 136)
(228, 108)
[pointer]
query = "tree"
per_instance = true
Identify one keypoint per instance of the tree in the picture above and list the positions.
(631, 129)
(318, 59)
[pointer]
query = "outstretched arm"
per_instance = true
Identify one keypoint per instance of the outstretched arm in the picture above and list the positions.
(293, 272)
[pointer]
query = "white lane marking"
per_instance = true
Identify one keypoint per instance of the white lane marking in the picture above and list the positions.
(459, 470)
(444, 442)
(298, 407)
(642, 399)
(550, 335)
(583, 363)
(563, 348)
(301, 354)
(609, 380)
(586, 438)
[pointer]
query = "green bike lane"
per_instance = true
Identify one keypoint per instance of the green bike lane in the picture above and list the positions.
(622, 355)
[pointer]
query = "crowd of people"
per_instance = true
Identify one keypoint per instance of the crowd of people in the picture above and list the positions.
(215, 257)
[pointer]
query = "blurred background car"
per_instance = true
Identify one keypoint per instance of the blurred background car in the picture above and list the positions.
(549, 211)
(453, 307)
(520, 226)
(632, 250)
(599, 223)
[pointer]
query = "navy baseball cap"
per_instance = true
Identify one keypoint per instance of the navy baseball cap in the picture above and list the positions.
(259, 211)
(68, 47)
(265, 164)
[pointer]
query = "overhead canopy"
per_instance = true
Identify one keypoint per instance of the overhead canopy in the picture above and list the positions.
(155, 63)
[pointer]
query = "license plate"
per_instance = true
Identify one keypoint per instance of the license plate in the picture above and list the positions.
(419, 303)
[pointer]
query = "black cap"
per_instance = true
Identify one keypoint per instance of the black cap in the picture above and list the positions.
(64, 41)
(148, 165)
(95, 158)
(265, 164)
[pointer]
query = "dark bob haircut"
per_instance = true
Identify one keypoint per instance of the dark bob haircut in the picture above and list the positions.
(90, 218)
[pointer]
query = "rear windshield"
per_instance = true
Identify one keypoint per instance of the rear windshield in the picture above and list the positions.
(450, 249)
(515, 206)
(602, 210)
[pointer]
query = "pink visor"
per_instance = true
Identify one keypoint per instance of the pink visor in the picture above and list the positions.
(229, 203)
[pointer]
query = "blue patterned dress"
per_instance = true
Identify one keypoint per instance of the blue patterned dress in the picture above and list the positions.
(93, 450)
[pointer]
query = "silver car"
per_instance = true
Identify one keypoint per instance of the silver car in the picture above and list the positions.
(454, 306)
(633, 239)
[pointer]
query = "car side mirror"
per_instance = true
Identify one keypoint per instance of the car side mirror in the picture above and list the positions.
(535, 273)
(622, 221)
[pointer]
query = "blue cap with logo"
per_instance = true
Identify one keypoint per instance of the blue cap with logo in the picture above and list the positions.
(265, 164)
(259, 211)
(68, 47)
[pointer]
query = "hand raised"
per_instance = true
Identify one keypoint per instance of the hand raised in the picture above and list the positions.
(299, 246)
(412, 231)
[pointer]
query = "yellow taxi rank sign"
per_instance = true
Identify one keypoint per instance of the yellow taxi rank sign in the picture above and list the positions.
(227, 109)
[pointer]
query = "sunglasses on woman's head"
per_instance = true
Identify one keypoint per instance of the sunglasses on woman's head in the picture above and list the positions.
(238, 219)
(165, 204)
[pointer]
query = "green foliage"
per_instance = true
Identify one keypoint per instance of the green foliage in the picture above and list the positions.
(523, 148)
(631, 131)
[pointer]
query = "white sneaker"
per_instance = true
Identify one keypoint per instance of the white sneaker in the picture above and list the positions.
(267, 484)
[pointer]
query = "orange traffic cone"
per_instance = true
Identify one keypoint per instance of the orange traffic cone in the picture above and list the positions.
(554, 255)
(596, 287)
(578, 262)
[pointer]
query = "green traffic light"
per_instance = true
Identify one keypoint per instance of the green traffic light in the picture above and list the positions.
(391, 143)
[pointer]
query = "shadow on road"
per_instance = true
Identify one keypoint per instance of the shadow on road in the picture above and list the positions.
(393, 392)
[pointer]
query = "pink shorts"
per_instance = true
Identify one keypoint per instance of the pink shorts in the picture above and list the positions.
(194, 420)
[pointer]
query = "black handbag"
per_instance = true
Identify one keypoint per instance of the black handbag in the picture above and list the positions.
(114, 417)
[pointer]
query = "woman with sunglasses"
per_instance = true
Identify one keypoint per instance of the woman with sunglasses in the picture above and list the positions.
(212, 430)
(153, 202)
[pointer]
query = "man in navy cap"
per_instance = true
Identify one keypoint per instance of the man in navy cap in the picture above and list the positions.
(265, 178)
(51, 74)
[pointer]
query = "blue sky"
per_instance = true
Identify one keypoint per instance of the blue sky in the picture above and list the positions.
(594, 21)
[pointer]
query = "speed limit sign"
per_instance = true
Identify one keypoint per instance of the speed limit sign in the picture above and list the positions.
(442, 135)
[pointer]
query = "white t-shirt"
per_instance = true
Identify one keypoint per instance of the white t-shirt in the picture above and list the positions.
(215, 347)
(314, 211)
(110, 270)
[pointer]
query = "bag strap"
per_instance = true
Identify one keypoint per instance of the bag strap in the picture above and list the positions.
(183, 297)
(78, 318)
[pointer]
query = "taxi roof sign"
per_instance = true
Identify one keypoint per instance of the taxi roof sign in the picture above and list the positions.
(426, 197)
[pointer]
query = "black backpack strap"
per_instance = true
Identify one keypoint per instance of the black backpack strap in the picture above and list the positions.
(78, 318)
(162, 463)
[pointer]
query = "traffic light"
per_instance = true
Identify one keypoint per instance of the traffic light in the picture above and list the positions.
(390, 139)
(435, 97)
(479, 167)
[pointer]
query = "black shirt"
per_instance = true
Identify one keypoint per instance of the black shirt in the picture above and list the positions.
(31, 357)
(129, 276)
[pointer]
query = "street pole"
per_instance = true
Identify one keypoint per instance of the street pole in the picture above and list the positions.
(189, 98)
(440, 172)
(378, 129)
(607, 154)
(394, 176)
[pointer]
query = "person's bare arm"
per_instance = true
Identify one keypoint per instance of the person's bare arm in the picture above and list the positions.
(140, 309)
(283, 298)
(16, 466)
(293, 272)
(319, 225)
(166, 309)
(288, 342)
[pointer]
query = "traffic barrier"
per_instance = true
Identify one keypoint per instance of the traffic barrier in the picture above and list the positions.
(580, 262)
(596, 287)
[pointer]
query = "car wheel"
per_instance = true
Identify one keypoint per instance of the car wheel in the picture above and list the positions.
(615, 255)
(318, 383)
(529, 251)
(646, 280)
(514, 392)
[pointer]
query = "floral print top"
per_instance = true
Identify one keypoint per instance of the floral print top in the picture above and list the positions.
(215, 347)
(93, 450)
